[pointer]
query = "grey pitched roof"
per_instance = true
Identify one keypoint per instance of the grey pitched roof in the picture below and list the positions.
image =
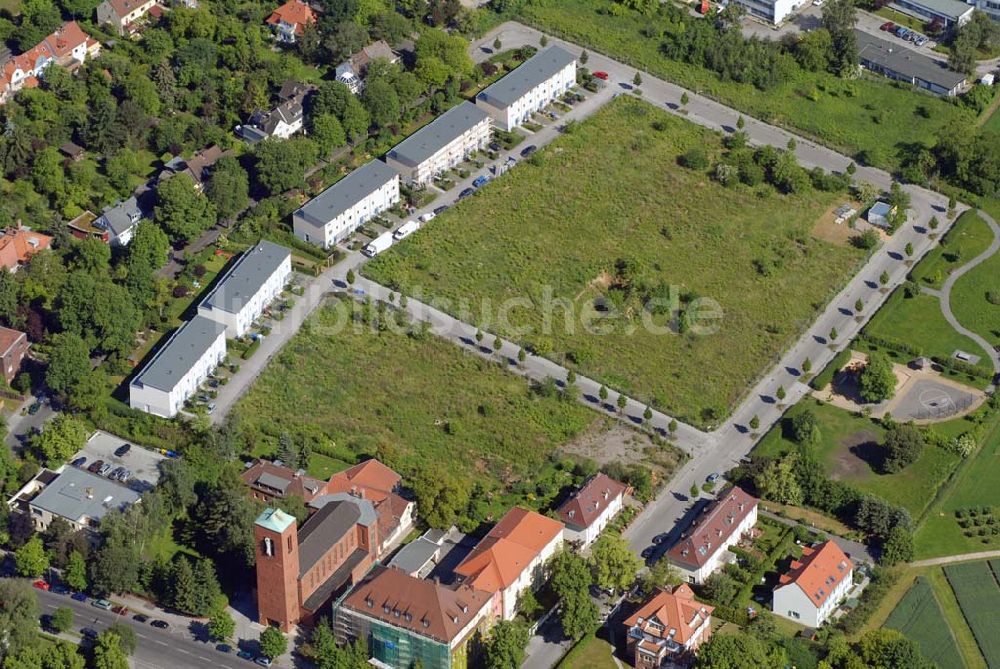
(536, 70)
(907, 62)
(121, 217)
(437, 134)
(246, 277)
(336, 516)
(347, 192)
(174, 359)
(366, 509)
(76, 493)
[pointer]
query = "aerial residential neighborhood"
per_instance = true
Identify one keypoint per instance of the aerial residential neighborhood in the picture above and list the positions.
(542, 334)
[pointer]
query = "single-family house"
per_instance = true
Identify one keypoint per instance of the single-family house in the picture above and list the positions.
(13, 349)
(814, 585)
(80, 498)
(178, 367)
(68, 47)
(249, 285)
(18, 244)
(289, 20)
(667, 629)
(538, 81)
(353, 71)
(123, 15)
(902, 64)
(441, 144)
(881, 215)
(704, 545)
(511, 558)
(285, 120)
(120, 220)
(334, 214)
(589, 510)
(408, 621)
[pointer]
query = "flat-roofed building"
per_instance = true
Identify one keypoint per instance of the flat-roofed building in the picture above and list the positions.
(176, 370)
(441, 144)
(903, 64)
(338, 211)
(770, 11)
(248, 286)
(949, 13)
(538, 81)
(80, 498)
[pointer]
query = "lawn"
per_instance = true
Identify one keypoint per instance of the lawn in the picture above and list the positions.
(414, 402)
(978, 594)
(967, 238)
(848, 443)
(591, 652)
(993, 122)
(919, 617)
(970, 300)
(868, 116)
(542, 249)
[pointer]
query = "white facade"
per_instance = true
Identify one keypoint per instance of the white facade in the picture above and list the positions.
(791, 602)
(588, 535)
(532, 576)
(179, 368)
(991, 7)
(442, 144)
(256, 287)
(334, 214)
(122, 13)
(770, 11)
(719, 552)
(543, 78)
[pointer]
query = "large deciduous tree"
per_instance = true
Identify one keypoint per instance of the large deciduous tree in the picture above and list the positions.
(504, 648)
(182, 211)
(615, 565)
(228, 188)
(839, 17)
(876, 381)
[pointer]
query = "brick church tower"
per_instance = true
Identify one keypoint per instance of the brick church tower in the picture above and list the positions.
(277, 542)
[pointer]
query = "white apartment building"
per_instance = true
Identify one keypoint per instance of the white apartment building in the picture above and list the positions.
(339, 210)
(591, 508)
(770, 11)
(540, 80)
(253, 281)
(441, 144)
(174, 373)
(814, 585)
(703, 547)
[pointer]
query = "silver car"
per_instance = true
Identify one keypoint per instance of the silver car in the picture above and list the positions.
(105, 468)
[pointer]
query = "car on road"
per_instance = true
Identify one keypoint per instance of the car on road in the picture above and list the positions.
(648, 552)
(119, 609)
(887, 26)
(89, 633)
(713, 477)
(466, 193)
(481, 181)
(123, 450)
(140, 617)
(528, 150)
(40, 584)
(602, 75)
(439, 210)
(428, 217)
(263, 661)
(79, 462)
(160, 624)
(33, 409)
(224, 648)
(59, 589)
(244, 654)
(95, 466)
(79, 596)
(101, 604)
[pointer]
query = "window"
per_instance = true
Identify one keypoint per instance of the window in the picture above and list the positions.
(288, 542)
(268, 547)
(794, 614)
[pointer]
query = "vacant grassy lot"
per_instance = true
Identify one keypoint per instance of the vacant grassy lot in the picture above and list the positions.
(849, 446)
(554, 231)
(993, 122)
(967, 238)
(970, 300)
(919, 617)
(414, 403)
(978, 594)
(870, 117)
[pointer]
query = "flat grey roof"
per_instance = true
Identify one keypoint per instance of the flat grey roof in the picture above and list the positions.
(437, 134)
(185, 346)
(246, 277)
(905, 61)
(415, 555)
(346, 193)
(76, 493)
(953, 9)
(536, 70)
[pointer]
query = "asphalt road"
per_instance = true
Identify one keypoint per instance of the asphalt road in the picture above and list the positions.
(156, 649)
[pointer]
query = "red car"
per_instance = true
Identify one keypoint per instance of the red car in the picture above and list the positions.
(887, 26)
(40, 584)
(601, 75)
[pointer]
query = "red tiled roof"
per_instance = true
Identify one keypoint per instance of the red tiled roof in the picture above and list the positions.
(590, 501)
(508, 549)
(19, 244)
(421, 606)
(371, 479)
(9, 337)
(675, 611)
(294, 13)
(711, 529)
(819, 572)
(56, 46)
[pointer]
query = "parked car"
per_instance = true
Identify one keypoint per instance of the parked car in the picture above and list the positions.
(648, 552)
(902, 32)
(123, 450)
(713, 477)
(224, 648)
(887, 26)
(89, 633)
(920, 41)
(120, 610)
(426, 218)
(602, 75)
(660, 538)
(480, 181)
(125, 476)
(466, 193)
(95, 466)
(528, 150)
(101, 604)
(210, 409)
(105, 468)
(40, 584)
(495, 146)
(439, 210)
(78, 596)
(59, 589)
(113, 474)
(160, 624)
(244, 654)
(79, 462)
(263, 661)
(140, 617)
(33, 409)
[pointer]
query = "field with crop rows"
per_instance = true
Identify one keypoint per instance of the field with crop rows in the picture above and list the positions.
(978, 594)
(918, 616)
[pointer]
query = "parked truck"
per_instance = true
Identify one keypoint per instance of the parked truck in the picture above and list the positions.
(377, 245)
(405, 230)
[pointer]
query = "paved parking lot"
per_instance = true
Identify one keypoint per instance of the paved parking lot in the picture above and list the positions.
(144, 463)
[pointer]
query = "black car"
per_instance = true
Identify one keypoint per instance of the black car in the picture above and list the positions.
(59, 589)
(88, 633)
(528, 150)
(224, 648)
(466, 193)
(160, 624)
(140, 618)
(437, 212)
(79, 462)
(123, 450)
